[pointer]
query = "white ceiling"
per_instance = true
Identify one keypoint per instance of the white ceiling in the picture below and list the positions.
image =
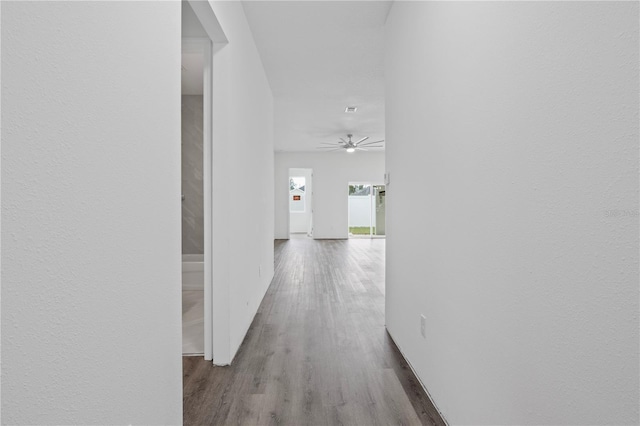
(320, 57)
(191, 26)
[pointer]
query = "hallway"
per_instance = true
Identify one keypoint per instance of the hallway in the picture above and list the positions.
(317, 352)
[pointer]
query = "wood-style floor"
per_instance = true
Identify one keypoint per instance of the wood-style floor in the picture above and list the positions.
(317, 352)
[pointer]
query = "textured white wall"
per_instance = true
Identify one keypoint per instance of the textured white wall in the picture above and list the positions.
(91, 213)
(519, 121)
(242, 159)
(332, 173)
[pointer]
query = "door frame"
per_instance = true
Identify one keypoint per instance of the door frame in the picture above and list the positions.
(308, 193)
(205, 46)
(372, 206)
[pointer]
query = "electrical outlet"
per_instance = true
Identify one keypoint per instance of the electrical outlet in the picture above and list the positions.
(423, 326)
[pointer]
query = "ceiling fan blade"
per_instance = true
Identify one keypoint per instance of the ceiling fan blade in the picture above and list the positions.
(330, 143)
(371, 143)
(362, 140)
(372, 146)
(342, 139)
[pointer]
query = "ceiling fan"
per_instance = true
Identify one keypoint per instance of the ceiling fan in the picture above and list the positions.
(349, 145)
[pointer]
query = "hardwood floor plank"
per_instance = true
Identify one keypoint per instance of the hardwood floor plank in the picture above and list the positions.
(317, 352)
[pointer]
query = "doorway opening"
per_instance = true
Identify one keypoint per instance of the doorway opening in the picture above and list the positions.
(192, 103)
(196, 162)
(367, 210)
(300, 203)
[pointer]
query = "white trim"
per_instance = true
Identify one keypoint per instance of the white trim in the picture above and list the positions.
(207, 158)
(288, 203)
(208, 20)
(417, 377)
(221, 93)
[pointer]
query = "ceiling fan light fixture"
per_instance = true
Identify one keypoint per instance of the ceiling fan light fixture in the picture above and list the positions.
(349, 145)
(351, 109)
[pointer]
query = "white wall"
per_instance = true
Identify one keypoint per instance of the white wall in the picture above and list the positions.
(242, 158)
(332, 173)
(91, 321)
(299, 222)
(520, 122)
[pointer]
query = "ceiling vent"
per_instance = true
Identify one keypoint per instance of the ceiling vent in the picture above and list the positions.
(351, 109)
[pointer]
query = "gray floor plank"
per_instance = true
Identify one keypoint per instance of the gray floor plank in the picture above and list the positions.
(317, 352)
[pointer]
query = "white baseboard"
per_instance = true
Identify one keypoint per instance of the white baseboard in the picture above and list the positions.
(193, 279)
(191, 287)
(417, 377)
